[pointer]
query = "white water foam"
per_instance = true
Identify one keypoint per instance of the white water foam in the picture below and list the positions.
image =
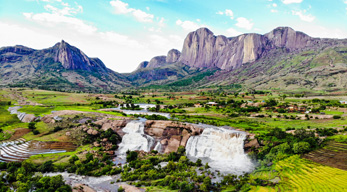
(135, 138)
(222, 149)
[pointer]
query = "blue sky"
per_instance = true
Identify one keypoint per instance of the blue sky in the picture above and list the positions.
(122, 33)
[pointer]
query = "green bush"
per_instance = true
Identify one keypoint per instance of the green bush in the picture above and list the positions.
(36, 132)
(336, 117)
(32, 126)
(301, 147)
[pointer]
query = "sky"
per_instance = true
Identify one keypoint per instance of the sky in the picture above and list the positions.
(123, 33)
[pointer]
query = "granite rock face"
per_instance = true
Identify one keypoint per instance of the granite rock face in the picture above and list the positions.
(203, 49)
(156, 62)
(173, 56)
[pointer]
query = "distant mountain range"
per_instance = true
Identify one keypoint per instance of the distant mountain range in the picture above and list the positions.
(281, 59)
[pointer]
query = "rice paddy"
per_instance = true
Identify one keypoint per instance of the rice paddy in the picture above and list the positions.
(298, 174)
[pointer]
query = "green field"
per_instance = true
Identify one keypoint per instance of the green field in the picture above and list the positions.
(297, 174)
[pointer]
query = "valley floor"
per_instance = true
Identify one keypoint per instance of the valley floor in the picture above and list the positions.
(323, 168)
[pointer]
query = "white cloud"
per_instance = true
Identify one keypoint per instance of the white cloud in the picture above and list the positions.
(291, 1)
(123, 8)
(244, 23)
(274, 5)
(64, 11)
(53, 19)
(274, 11)
(142, 16)
(320, 31)
(189, 25)
(120, 7)
(233, 32)
(227, 12)
(304, 16)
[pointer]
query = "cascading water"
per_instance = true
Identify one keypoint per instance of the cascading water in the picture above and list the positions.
(222, 149)
(135, 138)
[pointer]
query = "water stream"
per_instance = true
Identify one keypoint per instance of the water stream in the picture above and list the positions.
(144, 110)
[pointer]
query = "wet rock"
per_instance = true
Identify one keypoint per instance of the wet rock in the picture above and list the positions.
(82, 188)
(171, 134)
(253, 143)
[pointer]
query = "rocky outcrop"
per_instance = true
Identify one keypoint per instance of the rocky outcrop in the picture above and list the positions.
(142, 65)
(171, 134)
(65, 65)
(156, 62)
(199, 48)
(202, 49)
(288, 38)
(251, 145)
(115, 125)
(172, 56)
(74, 59)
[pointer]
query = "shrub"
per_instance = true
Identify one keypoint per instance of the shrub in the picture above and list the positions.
(57, 128)
(336, 117)
(32, 126)
(36, 132)
(301, 147)
(121, 189)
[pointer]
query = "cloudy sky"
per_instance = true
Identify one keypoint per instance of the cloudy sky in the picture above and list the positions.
(122, 33)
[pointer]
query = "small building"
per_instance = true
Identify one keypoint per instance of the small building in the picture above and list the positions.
(212, 103)
(343, 102)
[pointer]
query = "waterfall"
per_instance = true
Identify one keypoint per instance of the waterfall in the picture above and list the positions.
(222, 149)
(135, 138)
(158, 147)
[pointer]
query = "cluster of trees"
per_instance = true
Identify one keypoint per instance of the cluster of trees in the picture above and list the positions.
(32, 127)
(130, 106)
(21, 177)
(278, 144)
(179, 174)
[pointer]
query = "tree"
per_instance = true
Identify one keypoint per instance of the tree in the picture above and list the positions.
(32, 125)
(301, 147)
(283, 97)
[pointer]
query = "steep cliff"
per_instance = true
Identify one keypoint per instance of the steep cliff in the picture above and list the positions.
(202, 49)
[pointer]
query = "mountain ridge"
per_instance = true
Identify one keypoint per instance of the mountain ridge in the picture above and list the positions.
(248, 59)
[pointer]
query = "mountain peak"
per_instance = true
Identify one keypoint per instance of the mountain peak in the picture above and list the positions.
(71, 57)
